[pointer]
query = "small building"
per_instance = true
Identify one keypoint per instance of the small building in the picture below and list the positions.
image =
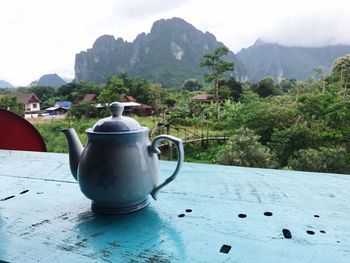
(146, 110)
(126, 98)
(205, 98)
(90, 98)
(64, 104)
(133, 107)
(31, 103)
(56, 110)
(59, 108)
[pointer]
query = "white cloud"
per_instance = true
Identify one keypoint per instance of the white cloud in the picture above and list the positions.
(312, 28)
(43, 36)
(141, 9)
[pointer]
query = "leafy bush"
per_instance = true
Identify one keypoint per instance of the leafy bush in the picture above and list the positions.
(324, 159)
(265, 115)
(285, 142)
(192, 85)
(201, 153)
(341, 64)
(244, 149)
(9, 103)
(86, 109)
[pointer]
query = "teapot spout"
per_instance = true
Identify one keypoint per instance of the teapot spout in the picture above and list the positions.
(75, 149)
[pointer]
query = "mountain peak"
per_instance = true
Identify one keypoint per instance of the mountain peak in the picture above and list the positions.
(169, 54)
(173, 20)
(172, 24)
(103, 40)
(5, 84)
(259, 42)
(52, 80)
(292, 62)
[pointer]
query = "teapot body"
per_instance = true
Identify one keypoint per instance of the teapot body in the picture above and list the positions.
(117, 171)
(119, 168)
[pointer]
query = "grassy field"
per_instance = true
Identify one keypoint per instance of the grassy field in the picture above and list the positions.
(56, 141)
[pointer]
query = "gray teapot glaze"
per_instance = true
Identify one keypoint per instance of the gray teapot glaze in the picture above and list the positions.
(118, 168)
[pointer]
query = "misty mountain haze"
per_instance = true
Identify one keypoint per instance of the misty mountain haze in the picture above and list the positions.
(173, 50)
(5, 84)
(272, 59)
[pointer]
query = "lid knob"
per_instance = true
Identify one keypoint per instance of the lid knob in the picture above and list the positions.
(116, 122)
(116, 109)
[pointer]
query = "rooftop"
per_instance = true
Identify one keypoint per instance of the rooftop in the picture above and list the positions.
(90, 98)
(26, 98)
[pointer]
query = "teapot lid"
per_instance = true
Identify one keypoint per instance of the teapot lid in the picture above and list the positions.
(116, 122)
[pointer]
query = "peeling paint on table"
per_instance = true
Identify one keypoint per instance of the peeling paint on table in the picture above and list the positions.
(211, 213)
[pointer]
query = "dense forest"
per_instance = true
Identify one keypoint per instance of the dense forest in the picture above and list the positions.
(286, 125)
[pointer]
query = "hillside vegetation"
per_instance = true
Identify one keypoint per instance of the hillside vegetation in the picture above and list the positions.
(300, 125)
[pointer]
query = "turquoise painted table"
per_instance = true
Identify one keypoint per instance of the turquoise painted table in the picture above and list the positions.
(211, 213)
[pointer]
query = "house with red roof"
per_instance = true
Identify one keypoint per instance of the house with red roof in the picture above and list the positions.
(134, 107)
(90, 98)
(126, 98)
(31, 102)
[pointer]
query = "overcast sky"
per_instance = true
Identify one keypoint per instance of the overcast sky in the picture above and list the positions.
(42, 36)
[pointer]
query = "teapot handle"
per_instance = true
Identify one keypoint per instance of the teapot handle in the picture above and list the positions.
(154, 149)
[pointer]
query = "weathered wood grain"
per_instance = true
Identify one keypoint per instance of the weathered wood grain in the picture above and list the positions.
(211, 213)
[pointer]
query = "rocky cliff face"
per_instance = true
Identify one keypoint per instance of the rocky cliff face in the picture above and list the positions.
(271, 59)
(169, 54)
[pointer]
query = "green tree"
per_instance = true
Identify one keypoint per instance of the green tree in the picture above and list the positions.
(231, 115)
(234, 88)
(244, 149)
(287, 141)
(324, 159)
(65, 92)
(341, 69)
(170, 102)
(75, 91)
(9, 103)
(157, 97)
(217, 67)
(265, 115)
(224, 92)
(183, 109)
(139, 88)
(112, 89)
(341, 64)
(267, 87)
(192, 85)
(287, 84)
(85, 109)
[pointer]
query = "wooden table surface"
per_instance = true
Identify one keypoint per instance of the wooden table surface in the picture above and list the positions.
(210, 213)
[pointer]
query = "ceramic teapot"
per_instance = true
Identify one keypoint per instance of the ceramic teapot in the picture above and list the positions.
(118, 169)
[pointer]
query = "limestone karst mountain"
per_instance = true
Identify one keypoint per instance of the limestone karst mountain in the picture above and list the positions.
(52, 80)
(173, 50)
(170, 54)
(271, 59)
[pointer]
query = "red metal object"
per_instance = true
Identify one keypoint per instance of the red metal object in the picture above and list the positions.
(16, 133)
